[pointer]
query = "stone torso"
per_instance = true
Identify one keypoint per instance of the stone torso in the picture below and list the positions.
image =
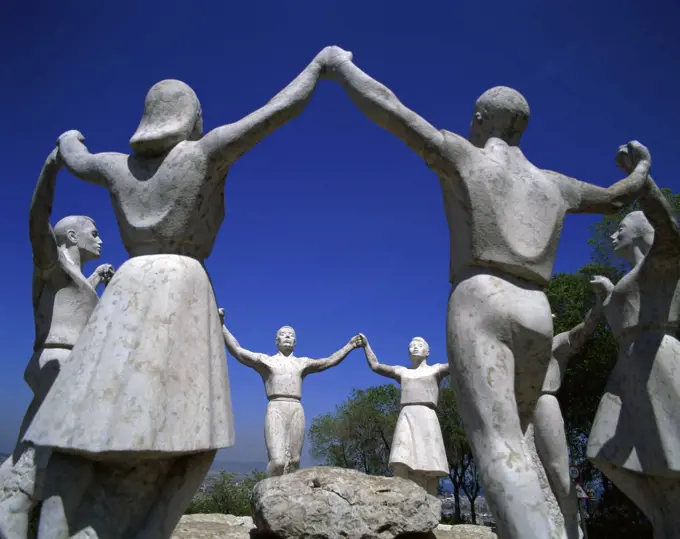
(419, 386)
(167, 205)
(63, 301)
(282, 375)
(503, 213)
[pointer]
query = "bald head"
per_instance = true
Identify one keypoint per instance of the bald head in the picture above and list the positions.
(500, 112)
(286, 339)
(79, 231)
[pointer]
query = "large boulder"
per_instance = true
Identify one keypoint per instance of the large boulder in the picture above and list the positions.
(336, 503)
(229, 527)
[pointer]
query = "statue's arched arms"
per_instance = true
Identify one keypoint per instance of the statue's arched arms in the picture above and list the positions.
(584, 197)
(227, 143)
(377, 367)
(251, 359)
(79, 161)
(318, 365)
(43, 241)
(660, 215)
(382, 106)
(442, 371)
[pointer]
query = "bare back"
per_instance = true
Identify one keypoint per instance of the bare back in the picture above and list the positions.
(167, 205)
(503, 212)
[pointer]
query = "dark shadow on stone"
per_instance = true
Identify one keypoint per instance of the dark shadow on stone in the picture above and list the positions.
(414, 535)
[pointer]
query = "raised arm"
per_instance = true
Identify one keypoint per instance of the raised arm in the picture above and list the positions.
(103, 274)
(382, 106)
(227, 143)
(658, 212)
(377, 367)
(318, 365)
(584, 197)
(79, 161)
(442, 371)
(43, 241)
(251, 359)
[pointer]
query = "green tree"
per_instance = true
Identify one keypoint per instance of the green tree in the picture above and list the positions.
(359, 433)
(226, 494)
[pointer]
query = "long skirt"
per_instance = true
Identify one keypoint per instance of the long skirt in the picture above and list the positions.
(418, 442)
(148, 373)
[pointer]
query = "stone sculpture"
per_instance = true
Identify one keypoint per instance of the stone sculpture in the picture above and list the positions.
(417, 450)
(550, 438)
(63, 300)
(282, 374)
(635, 438)
(505, 217)
(144, 403)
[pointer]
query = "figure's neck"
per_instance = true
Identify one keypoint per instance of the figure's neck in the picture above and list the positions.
(634, 256)
(285, 354)
(72, 254)
(416, 365)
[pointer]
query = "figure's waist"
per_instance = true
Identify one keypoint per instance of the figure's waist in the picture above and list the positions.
(188, 249)
(513, 275)
(428, 404)
(283, 398)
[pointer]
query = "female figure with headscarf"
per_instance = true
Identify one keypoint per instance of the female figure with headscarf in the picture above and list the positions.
(135, 419)
(635, 438)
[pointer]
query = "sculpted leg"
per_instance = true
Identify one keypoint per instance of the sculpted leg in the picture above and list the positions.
(483, 376)
(296, 430)
(275, 437)
(551, 445)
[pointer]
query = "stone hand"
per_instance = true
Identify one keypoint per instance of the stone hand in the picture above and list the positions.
(73, 133)
(629, 155)
(221, 313)
(602, 287)
(358, 341)
(333, 57)
(105, 272)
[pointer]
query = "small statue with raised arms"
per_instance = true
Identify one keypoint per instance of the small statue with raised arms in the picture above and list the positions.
(282, 373)
(417, 451)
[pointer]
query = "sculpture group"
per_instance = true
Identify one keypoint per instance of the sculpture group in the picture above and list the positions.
(131, 390)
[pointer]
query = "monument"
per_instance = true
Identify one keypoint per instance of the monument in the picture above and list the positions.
(63, 299)
(635, 437)
(139, 411)
(417, 451)
(505, 217)
(282, 374)
(550, 438)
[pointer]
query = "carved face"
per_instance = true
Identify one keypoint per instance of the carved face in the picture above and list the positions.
(285, 339)
(418, 349)
(87, 239)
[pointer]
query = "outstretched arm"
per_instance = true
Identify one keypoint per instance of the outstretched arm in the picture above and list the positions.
(43, 241)
(377, 367)
(318, 365)
(251, 359)
(658, 212)
(587, 198)
(382, 106)
(78, 160)
(442, 371)
(227, 143)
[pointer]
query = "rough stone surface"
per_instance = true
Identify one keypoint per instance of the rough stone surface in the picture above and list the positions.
(282, 374)
(335, 503)
(418, 450)
(63, 300)
(635, 438)
(230, 527)
(505, 217)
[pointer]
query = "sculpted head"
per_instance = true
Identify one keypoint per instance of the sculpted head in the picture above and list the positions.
(81, 232)
(634, 232)
(285, 340)
(500, 112)
(418, 350)
(172, 114)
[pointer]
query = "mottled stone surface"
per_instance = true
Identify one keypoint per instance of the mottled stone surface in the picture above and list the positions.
(417, 445)
(505, 217)
(635, 438)
(282, 374)
(335, 503)
(231, 527)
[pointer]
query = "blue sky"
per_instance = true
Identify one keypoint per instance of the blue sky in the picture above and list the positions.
(333, 225)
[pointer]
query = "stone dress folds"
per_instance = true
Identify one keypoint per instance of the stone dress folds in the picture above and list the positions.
(149, 372)
(418, 441)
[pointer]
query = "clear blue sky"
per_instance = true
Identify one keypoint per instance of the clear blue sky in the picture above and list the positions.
(333, 225)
